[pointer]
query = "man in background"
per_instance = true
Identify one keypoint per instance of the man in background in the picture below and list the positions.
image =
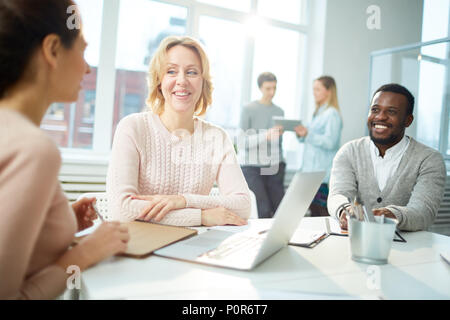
(262, 156)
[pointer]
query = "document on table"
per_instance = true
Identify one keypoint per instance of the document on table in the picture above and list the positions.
(333, 227)
(307, 238)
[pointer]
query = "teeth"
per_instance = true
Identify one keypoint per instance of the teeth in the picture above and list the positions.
(181, 94)
(379, 126)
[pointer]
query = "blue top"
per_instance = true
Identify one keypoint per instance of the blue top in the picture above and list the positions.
(322, 142)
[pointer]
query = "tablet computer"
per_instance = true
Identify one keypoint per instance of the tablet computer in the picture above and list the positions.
(287, 124)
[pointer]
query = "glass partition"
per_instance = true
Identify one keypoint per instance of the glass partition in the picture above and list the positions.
(424, 69)
(71, 125)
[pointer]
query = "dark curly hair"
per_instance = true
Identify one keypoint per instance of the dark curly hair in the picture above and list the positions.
(396, 88)
(23, 26)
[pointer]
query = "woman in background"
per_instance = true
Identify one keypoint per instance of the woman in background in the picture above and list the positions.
(321, 138)
(41, 62)
(165, 161)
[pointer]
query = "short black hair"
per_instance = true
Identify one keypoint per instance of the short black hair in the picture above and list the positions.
(396, 88)
(266, 76)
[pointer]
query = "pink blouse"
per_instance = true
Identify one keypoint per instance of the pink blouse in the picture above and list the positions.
(147, 159)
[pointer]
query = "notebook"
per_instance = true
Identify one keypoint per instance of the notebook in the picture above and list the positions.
(307, 238)
(287, 124)
(147, 237)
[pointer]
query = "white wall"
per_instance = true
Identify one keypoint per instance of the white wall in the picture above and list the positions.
(349, 42)
(314, 54)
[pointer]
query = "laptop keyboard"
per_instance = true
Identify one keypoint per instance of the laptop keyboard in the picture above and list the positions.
(237, 246)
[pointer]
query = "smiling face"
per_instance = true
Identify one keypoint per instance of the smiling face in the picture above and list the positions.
(182, 81)
(388, 118)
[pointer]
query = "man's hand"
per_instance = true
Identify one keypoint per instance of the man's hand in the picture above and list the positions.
(160, 205)
(384, 212)
(274, 133)
(376, 212)
(343, 222)
(343, 217)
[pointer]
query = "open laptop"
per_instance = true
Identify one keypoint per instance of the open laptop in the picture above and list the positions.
(245, 250)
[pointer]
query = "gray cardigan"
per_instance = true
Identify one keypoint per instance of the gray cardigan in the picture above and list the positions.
(413, 194)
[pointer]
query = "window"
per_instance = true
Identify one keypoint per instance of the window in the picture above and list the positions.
(424, 70)
(435, 23)
(226, 55)
(433, 115)
(241, 5)
(430, 99)
(55, 125)
(142, 26)
(71, 125)
(132, 104)
(283, 10)
(89, 107)
(277, 50)
(280, 51)
(55, 112)
(123, 36)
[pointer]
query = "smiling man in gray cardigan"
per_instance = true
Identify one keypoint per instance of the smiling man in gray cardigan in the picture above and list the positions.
(393, 174)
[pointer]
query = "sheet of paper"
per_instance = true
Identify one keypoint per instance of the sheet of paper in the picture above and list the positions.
(332, 226)
(305, 236)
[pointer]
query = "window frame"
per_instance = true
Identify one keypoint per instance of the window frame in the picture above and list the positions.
(444, 125)
(106, 69)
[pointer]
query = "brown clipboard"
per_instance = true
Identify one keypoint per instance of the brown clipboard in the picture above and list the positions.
(147, 237)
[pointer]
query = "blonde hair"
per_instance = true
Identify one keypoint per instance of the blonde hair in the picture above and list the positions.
(329, 84)
(155, 100)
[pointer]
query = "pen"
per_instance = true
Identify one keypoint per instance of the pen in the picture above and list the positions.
(401, 238)
(353, 212)
(368, 215)
(94, 206)
(355, 208)
(359, 209)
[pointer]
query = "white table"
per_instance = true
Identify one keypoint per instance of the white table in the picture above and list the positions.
(415, 271)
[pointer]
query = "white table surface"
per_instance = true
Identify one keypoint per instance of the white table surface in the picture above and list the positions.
(415, 270)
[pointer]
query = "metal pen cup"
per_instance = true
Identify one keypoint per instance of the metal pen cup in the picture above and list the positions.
(371, 242)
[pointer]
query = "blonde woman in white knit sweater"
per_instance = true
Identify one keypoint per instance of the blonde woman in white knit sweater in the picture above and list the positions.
(166, 160)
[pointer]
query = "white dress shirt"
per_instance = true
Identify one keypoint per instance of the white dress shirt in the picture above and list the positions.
(385, 167)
